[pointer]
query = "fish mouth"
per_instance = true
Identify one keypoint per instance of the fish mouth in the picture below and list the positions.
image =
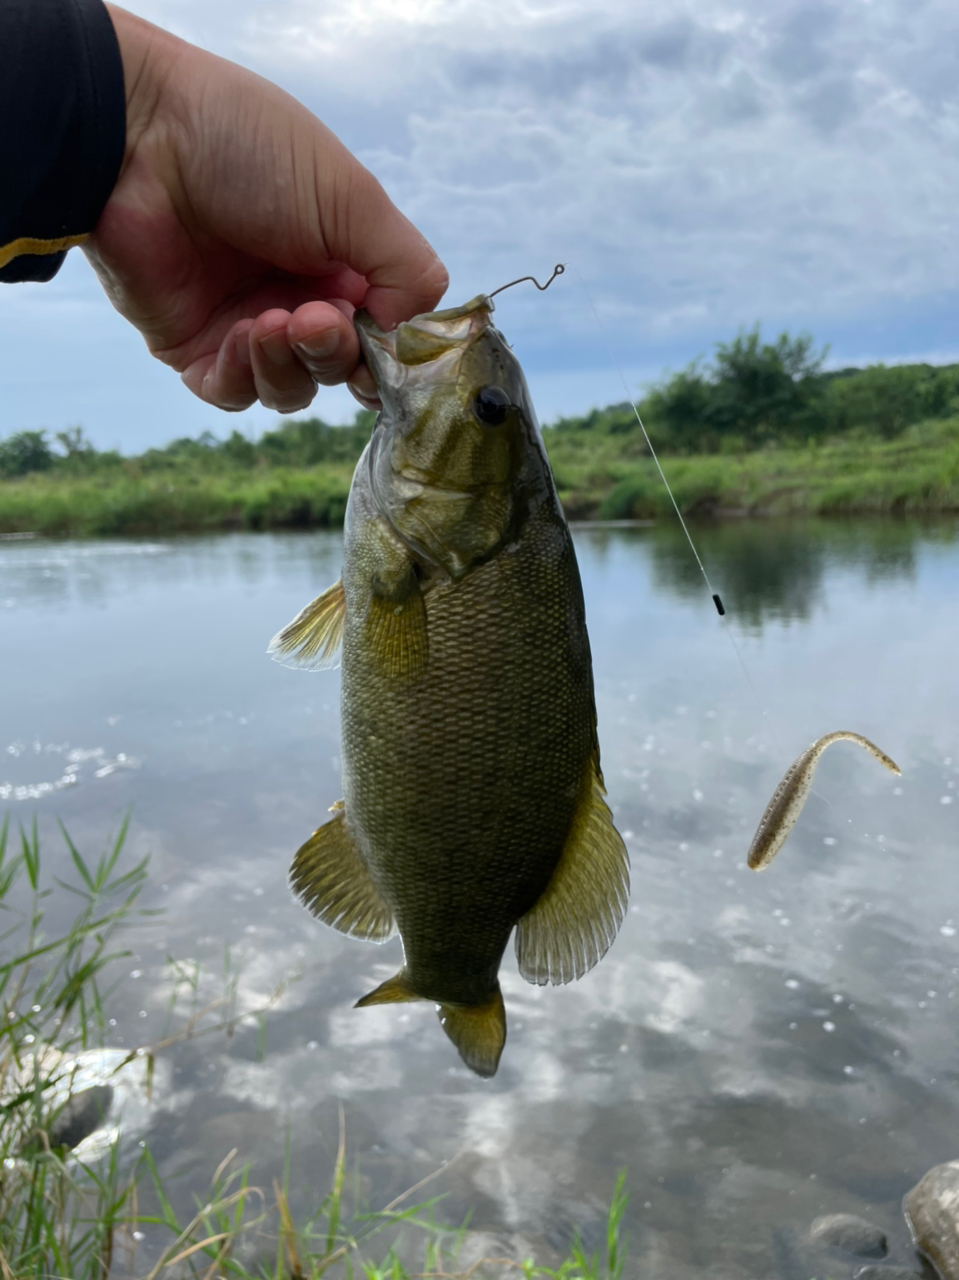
(421, 340)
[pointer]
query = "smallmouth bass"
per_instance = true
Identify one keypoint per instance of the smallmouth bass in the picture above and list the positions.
(472, 790)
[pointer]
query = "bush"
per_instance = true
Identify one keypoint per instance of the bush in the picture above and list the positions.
(754, 391)
(884, 401)
(24, 452)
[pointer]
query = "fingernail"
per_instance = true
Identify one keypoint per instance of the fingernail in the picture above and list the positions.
(321, 346)
(277, 350)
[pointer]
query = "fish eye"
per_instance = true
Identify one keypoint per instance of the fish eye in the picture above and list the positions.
(491, 405)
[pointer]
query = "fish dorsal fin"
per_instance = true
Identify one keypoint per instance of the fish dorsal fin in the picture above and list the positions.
(396, 635)
(478, 1031)
(312, 640)
(328, 876)
(576, 919)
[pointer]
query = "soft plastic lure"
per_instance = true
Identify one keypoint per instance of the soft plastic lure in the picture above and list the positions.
(784, 808)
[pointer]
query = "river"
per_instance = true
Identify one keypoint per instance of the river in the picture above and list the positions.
(755, 1049)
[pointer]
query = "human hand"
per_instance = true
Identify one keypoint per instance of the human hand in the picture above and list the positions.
(241, 234)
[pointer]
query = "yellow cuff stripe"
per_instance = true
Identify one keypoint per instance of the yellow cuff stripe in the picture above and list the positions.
(29, 244)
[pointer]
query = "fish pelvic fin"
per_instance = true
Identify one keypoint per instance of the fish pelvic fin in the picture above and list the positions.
(395, 990)
(312, 640)
(573, 924)
(478, 1031)
(330, 879)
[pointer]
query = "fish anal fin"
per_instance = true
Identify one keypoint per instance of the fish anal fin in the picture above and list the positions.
(396, 637)
(329, 878)
(573, 924)
(395, 990)
(478, 1031)
(312, 640)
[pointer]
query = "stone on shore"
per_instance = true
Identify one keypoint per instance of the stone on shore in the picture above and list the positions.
(932, 1211)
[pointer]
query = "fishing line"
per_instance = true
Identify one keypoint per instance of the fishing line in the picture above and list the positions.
(717, 600)
(558, 270)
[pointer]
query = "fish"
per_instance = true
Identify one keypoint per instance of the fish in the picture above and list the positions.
(782, 812)
(473, 798)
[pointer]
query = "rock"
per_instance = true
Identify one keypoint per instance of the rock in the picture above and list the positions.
(851, 1234)
(82, 1115)
(91, 1096)
(932, 1211)
(876, 1271)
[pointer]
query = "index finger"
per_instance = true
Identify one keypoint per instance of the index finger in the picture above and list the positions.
(404, 275)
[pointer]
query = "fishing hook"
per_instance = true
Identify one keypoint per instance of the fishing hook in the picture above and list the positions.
(557, 271)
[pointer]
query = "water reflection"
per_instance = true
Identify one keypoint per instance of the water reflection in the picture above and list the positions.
(776, 573)
(757, 1050)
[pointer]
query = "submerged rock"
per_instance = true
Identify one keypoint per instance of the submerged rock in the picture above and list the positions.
(932, 1211)
(851, 1234)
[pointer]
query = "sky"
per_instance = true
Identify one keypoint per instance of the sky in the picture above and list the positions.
(699, 166)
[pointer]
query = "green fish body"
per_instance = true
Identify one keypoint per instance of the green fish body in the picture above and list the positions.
(473, 798)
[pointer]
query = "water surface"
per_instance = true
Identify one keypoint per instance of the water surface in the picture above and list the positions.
(755, 1049)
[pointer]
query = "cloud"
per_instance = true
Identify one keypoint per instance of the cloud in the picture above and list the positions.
(702, 165)
(715, 155)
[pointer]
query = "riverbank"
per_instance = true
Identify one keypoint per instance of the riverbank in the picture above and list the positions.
(122, 502)
(915, 473)
(598, 476)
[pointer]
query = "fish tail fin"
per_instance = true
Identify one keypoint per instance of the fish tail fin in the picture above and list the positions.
(395, 990)
(478, 1031)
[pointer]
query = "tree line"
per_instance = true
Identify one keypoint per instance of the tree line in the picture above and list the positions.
(752, 394)
(296, 442)
(755, 394)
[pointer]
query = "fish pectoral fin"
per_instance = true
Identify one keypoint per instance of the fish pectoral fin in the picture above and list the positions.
(573, 924)
(312, 640)
(396, 638)
(478, 1031)
(329, 878)
(395, 990)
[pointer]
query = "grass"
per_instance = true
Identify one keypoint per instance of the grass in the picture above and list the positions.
(599, 476)
(237, 1223)
(121, 502)
(917, 472)
(55, 1219)
(110, 1214)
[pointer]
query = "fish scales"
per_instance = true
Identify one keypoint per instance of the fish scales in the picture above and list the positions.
(463, 846)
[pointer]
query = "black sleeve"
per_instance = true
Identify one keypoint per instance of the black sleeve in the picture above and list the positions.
(62, 129)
